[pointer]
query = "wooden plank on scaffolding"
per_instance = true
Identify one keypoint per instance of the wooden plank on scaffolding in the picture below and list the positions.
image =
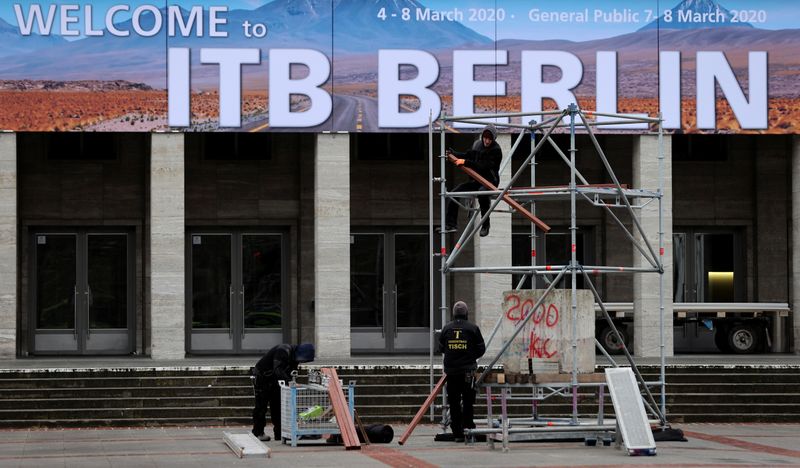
(342, 411)
(506, 198)
(540, 378)
(418, 417)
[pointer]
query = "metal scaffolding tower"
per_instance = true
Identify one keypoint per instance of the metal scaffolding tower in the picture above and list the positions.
(612, 197)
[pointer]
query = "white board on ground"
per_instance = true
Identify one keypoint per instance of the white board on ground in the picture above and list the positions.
(246, 445)
(629, 409)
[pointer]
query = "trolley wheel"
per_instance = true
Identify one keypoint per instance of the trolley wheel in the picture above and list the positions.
(589, 442)
(607, 442)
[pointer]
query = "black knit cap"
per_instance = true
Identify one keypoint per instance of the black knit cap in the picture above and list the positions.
(304, 352)
(460, 309)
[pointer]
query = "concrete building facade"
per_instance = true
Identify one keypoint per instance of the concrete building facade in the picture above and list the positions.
(171, 245)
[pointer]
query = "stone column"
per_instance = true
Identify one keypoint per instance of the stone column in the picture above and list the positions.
(332, 245)
(770, 238)
(8, 245)
(493, 250)
(646, 330)
(795, 304)
(167, 247)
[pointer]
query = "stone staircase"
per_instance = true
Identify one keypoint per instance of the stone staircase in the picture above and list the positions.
(223, 396)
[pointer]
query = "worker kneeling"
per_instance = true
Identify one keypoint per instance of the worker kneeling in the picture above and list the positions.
(462, 344)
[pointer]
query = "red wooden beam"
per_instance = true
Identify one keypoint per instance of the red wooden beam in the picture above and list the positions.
(342, 411)
(506, 198)
(418, 417)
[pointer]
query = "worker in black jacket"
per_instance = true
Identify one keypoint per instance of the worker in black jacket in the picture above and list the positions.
(462, 344)
(278, 364)
(484, 158)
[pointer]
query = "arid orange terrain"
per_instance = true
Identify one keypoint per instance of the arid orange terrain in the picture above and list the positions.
(783, 113)
(37, 110)
(146, 110)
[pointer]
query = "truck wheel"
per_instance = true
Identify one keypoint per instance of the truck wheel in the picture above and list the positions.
(744, 339)
(721, 340)
(610, 341)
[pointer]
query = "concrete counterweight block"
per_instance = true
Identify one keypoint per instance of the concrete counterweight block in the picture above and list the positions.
(546, 338)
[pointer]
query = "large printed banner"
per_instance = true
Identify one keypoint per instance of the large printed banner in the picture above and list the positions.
(728, 66)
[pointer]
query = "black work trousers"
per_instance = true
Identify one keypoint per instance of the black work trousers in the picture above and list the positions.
(461, 400)
(267, 394)
(451, 218)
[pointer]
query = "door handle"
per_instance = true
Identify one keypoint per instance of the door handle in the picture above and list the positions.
(88, 311)
(230, 311)
(241, 297)
(383, 316)
(394, 306)
(75, 312)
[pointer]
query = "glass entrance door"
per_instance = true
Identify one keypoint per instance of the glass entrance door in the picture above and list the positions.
(389, 292)
(708, 265)
(82, 293)
(410, 295)
(235, 292)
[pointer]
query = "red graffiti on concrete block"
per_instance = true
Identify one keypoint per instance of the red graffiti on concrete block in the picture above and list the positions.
(542, 325)
(543, 319)
(539, 347)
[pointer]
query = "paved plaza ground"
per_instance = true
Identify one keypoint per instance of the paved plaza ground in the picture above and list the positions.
(709, 445)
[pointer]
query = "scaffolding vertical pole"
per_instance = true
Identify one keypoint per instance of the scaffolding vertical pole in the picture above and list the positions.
(661, 266)
(443, 235)
(533, 259)
(573, 109)
(431, 324)
(534, 235)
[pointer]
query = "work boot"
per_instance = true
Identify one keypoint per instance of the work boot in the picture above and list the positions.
(263, 437)
(485, 230)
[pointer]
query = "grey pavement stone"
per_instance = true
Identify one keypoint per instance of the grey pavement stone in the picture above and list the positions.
(709, 445)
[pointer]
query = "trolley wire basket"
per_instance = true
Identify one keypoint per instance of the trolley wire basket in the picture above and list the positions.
(306, 409)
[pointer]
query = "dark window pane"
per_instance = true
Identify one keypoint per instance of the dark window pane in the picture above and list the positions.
(411, 276)
(211, 281)
(108, 281)
(366, 280)
(262, 280)
(55, 281)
